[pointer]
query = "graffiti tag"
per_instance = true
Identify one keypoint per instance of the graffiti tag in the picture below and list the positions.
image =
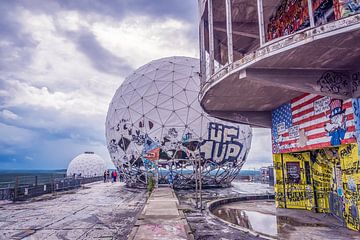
(334, 83)
(222, 145)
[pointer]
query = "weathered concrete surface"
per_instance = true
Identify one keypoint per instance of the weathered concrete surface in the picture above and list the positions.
(202, 225)
(99, 210)
(292, 224)
(161, 218)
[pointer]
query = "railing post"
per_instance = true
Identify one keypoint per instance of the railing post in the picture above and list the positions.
(52, 184)
(211, 37)
(261, 22)
(196, 183)
(200, 182)
(311, 13)
(229, 31)
(16, 188)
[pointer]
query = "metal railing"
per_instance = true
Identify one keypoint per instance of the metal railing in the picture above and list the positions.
(26, 187)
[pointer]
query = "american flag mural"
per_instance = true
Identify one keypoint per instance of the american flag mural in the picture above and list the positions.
(311, 121)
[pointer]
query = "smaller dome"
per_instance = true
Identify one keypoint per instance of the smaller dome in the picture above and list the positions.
(87, 164)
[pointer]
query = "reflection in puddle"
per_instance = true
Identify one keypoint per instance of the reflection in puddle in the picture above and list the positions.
(264, 218)
(259, 222)
(267, 223)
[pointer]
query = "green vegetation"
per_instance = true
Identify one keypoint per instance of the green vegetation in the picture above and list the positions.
(150, 184)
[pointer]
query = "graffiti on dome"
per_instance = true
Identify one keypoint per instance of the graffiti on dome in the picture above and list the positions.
(222, 144)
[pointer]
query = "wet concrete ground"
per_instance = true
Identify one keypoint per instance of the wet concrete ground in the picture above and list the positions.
(98, 211)
(109, 211)
(161, 218)
(263, 217)
(203, 225)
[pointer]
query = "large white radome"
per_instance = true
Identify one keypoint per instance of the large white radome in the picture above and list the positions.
(87, 164)
(155, 123)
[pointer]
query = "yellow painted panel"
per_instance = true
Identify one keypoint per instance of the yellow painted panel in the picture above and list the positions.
(349, 160)
(298, 194)
(279, 187)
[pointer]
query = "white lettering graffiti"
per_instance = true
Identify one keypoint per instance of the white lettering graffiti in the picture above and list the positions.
(281, 128)
(294, 132)
(322, 105)
(222, 144)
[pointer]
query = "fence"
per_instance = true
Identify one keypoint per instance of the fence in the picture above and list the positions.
(26, 187)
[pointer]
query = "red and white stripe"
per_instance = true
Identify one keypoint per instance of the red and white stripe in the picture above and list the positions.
(304, 116)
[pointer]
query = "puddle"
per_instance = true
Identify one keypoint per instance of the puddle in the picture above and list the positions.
(261, 218)
(256, 221)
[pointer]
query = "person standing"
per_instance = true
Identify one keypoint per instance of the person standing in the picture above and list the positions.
(105, 176)
(171, 180)
(114, 175)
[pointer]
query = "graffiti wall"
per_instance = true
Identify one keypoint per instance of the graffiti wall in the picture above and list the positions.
(312, 122)
(350, 167)
(279, 182)
(323, 162)
(330, 184)
(293, 188)
(345, 8)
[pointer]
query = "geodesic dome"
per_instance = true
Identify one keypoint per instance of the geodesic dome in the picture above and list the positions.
(155, 126)
(87, 164)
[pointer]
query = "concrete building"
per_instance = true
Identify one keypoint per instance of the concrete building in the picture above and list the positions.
(294, 67)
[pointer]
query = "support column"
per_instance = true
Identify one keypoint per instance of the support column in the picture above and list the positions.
(211, 37)
(261, 22)
(311, 13)
(229, 32)
(202, 51)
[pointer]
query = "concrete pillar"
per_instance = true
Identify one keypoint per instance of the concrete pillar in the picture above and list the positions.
(211, 37)
(311, 13)
(229, 31)
(202, 50)
(261, 22)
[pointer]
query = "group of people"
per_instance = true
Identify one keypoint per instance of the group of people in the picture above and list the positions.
(114, 176)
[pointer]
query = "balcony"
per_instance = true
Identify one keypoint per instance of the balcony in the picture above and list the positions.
(257, 55)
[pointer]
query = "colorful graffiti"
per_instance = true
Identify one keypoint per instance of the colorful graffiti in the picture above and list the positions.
(331, 185)
(323, 162)
(312, 122)
(170, 155)
(345, 8)
(350, 167)
(292, 190)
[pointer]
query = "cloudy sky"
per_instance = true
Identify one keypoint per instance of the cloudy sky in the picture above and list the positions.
(62, 61)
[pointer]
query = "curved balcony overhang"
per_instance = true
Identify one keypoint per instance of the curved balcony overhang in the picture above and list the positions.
(324, 60)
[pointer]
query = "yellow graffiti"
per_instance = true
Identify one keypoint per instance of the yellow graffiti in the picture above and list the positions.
(308, 179)
(349, 160)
